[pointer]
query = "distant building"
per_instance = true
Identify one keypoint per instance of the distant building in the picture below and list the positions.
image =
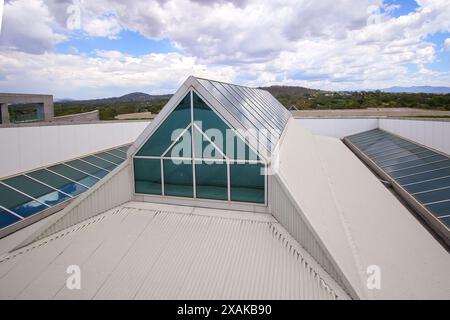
(39, 107)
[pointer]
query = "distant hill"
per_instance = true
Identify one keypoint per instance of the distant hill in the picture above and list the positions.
(418, 89)
(131, 97)
(288, 90)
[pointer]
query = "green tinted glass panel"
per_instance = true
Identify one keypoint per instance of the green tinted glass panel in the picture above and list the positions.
(88, 168)
(183, 146)
(247, 183)
(147, 176)
(211, 180)
(203, 148)
(28, 186)
(212, 125)
(73, 174)
(178, 178)
(109, 157)
(100, 162)
(19, 203)
(118, 153)
(162, 138)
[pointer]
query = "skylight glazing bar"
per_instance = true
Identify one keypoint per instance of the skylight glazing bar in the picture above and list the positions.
(49, 186)
(62, 176)
(88, 174)
(23, 193)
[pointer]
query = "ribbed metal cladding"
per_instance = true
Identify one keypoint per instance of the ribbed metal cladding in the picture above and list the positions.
(108, 194)
(286, 212)
(133, 253)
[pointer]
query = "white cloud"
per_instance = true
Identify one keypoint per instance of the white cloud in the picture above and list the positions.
(447, 44)
(27, 26)
(102, 27)
(332, 44)
(106, 74)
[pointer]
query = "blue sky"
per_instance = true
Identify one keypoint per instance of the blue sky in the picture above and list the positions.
(123, 46)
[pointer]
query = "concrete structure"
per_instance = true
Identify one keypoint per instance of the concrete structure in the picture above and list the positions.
(136, 116)
(79, 117)
(44, 104)
(327, 226)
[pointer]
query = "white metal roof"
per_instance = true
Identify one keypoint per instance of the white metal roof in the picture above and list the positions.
(142, 250)
(359, 221)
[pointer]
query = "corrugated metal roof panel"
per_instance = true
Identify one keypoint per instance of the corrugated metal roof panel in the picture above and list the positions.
(139, 252)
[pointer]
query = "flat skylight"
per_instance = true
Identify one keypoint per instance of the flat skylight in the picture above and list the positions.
(420, 174)
(27, 197)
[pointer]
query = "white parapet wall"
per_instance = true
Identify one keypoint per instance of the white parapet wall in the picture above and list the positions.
(431, 133)
(25, 148)
(338, 127)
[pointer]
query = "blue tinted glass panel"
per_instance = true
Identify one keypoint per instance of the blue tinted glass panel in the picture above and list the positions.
(19, 203)
(36, 190)
(7, 218)
(440, 209)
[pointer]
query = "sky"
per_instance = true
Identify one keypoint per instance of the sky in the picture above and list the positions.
(83, 49)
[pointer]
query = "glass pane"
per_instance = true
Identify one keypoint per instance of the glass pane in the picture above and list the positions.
(183, 147)
(213, 126)
(402, 159)
(428, 185)
(36, 190)
(161, 139)
(118, 153)
(389, 148)
(413, 163)
(424, 176)
(440, 209)
(109, 157)
(397, 154)
(73, 174)
(85, 167)
(178, 178)
(100, 162)
(434, 196)
(247, 183)
(58, 182)
(422, 168)
(445, 220)
(7, 219)
(211, 181)
(19, 203)
(204, 149)
(147, 175)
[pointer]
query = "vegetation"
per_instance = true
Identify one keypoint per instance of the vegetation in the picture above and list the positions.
(108, 111)
(301, 98)
(317, 99)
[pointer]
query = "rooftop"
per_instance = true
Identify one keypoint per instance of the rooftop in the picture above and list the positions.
(185, 216)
